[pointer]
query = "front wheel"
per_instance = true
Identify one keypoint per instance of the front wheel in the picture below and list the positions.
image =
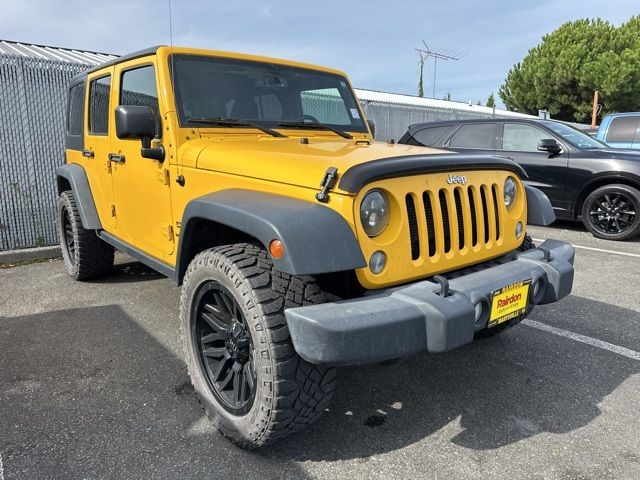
(248, 377)
(612, 212)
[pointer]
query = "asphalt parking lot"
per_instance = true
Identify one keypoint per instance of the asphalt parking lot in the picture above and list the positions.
(92, 386)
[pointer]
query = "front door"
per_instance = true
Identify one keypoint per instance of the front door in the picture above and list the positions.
(546, 172)
(141, 185)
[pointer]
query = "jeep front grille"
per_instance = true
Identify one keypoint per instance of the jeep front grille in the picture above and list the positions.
(446, 211)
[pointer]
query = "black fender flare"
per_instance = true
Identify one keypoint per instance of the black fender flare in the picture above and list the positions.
(316, 238)
(79, 182)
(539, 209)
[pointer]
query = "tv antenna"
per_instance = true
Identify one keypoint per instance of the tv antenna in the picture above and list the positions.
(425, 54)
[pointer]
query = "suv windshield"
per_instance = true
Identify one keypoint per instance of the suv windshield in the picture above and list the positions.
(574, 136)
(262, 93)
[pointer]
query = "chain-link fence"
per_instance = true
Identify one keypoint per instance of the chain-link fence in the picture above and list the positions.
(32, 107)
(32, 104)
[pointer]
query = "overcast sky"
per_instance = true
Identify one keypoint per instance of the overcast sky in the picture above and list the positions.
(373, 41)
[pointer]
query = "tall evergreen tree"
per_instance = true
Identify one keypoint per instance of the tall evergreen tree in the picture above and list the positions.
(561, 73)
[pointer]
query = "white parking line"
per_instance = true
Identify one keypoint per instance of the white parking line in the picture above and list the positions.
(625, 352)
(1, 469)
(594, 249)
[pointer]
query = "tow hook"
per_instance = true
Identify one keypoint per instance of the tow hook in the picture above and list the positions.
(328, 182)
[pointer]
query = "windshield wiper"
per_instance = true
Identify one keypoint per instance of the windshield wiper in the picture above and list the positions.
(319, 126)
(236, 122)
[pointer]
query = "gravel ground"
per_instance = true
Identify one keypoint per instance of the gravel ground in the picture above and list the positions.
(93, 386)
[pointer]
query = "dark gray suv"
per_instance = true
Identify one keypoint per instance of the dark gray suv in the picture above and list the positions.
(584, 178)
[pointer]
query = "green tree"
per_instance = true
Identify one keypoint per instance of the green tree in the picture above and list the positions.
(561, 73)
(491, 101)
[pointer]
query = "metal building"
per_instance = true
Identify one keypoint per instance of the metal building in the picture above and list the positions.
(33, 80)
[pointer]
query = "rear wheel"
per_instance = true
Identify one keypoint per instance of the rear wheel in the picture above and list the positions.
(85, 255)
(248, 377)
(527, 244)
(612, 212)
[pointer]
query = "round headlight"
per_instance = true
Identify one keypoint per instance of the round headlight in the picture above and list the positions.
(374, 212)
(510, 191)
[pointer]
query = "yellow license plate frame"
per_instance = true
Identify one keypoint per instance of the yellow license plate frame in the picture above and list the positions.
(509, 302)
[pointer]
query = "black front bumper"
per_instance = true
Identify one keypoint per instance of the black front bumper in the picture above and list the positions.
(415, 318)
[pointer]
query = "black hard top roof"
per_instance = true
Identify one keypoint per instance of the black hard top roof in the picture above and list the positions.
(123, 58)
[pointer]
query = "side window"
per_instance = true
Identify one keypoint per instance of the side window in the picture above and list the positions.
(138, 87)
(326, 106)
(99, 105)
(429, 136)
(479, 135)
(622, 129)
(522, 138)
(75, 110)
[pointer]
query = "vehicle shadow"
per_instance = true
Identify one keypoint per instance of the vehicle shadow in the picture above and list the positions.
(88, 393)
(489, 394)
(127, 270)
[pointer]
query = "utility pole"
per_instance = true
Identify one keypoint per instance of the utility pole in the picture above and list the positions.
(426, 53)
(594, 112)
(420, 82)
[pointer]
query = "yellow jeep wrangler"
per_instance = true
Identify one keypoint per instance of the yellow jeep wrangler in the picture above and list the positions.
(301, 244)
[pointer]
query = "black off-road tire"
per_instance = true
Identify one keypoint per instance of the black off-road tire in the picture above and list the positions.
(290, 393)
(631, 227)
(527, 244)
(85, 255)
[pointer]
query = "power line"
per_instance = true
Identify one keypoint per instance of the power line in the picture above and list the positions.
(426, 53)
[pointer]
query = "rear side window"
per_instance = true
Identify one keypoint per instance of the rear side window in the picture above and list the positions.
(75, 110)
(99, 105)
(138, 88)
(429, 136)
(622, 129)
(480, 135)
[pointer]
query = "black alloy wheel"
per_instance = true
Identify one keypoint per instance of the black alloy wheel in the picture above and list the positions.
(612, 212)
(67, 228)
(225, 347)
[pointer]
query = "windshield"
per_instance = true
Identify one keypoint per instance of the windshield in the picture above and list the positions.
(261, 93)
(574, 136)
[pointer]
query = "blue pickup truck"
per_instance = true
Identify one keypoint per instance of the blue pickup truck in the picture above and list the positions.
(620, 130)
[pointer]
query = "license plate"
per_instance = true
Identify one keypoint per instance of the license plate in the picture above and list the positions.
(509, 302)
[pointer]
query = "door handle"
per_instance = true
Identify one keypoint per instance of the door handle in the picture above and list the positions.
(88, 153)
(113, 157)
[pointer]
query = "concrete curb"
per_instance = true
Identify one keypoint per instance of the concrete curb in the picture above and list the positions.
(30, 254)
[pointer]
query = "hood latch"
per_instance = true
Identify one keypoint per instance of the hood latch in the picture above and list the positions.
(328, 182)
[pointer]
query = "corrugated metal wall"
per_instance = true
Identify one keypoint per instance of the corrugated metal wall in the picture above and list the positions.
(32, 107)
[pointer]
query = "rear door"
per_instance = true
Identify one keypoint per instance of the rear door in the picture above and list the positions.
(97, 144)
(478, 138)
(519, 141)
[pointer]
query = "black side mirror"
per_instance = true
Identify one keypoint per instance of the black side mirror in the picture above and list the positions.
(549, 145)
(372, 127)
(139, 122)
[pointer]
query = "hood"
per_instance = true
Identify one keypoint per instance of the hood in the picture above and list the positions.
(619, 153)
(288, 160)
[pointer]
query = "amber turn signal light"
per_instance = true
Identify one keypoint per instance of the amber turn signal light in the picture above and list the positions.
(276, 249)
